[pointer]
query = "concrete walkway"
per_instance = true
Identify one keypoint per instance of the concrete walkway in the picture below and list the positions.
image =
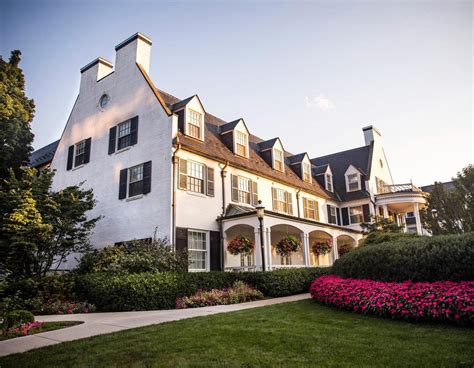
(103, 323)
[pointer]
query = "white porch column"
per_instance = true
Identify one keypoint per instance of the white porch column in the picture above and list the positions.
(334, 249)
(224, 250)
(258, 251)
(305, 240)
(268, 249)
(385, 211)
(416, 210)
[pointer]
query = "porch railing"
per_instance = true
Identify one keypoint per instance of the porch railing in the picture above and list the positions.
(399, 188)
(243, 268)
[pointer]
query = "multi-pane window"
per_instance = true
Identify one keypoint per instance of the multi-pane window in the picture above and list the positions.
(241, 143)
(244, 186)
(135, 182)
(332, 215)
(356, 215)
(246, 260)
(124, 134)
(329, 182)
(195, 124)
(311, 209)
(197, 247)
(195, 177)
(353, 182)
(278, 158)
(281, 200)
(80, 153)
(306, 172)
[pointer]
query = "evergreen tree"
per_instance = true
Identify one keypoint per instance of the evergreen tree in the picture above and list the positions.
(16, 114)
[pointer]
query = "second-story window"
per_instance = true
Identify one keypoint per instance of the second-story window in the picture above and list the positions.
(124, 134)
(195, 124)
(80, 153)
(195, 177)
(353, 182)
(282, 201)
(306, 172)
(244, 190)
(328, 181)
(311, 209)
(135, 182)
(241, 143)
(278, 160)
(332, 214)
(356, 215)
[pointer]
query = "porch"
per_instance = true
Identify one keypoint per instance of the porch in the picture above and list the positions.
(277, 227)
(402, 203)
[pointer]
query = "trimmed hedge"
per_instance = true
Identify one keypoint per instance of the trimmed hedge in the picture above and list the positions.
(448, 257)
(150, 291)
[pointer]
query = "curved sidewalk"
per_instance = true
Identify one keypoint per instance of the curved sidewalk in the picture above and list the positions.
(102, 323)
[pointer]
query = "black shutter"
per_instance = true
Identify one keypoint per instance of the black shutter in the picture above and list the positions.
(70, 157)
(147, 177)
(134, 131)
(366, 212)
(210, 182)
(338, 212)
(235, 188)
(112, 139)
(215, 255)
(87, 151)
(181, 240)
(328, 208)
(345, 216)
(123, 184)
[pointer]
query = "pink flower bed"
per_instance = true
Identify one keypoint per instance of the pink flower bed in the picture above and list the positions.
(23, 329)
(445, 301)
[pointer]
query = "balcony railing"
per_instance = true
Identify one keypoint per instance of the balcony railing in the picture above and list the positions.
(398, 188)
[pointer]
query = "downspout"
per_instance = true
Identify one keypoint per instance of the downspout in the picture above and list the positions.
(221, 227)
(173, 200)
(298, 201)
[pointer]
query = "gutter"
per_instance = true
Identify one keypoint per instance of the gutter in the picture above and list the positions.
(298, 201)
(221, 227)
(173, 200)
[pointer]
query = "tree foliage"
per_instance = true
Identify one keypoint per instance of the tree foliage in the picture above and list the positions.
(451, 211)
(16, 113)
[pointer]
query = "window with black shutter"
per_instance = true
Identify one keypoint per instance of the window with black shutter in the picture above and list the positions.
(79, 154)
(123, 135)
(135, 180)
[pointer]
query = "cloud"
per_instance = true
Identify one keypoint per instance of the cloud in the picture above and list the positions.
(319, 102)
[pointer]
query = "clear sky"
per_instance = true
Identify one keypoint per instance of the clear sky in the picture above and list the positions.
(312, 73)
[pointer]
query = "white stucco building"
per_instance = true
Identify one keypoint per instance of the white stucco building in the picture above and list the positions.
(159, 162)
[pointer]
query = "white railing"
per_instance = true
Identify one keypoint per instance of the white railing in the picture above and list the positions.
(399, 188)
(243, 268)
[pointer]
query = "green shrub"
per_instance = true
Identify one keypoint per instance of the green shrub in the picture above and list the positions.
(16, 317)
(448, 257)
(378, 237)
(149, 291)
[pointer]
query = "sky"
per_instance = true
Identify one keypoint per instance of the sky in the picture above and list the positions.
(312, 73)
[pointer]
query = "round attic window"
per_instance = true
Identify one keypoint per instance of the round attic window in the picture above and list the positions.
(104, 100)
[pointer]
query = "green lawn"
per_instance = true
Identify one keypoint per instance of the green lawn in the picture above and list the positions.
(294, 334)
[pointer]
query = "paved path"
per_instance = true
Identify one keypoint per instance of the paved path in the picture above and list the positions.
(102, 323)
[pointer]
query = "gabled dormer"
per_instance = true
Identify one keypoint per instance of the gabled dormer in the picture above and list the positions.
(353, 178)
(273, 153)
(191, 115)
(301, 165)
(235, 136)
(323, 175)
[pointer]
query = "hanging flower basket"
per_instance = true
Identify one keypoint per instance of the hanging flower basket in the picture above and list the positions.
(288, 245)
(344, 248)
(240, 245)
(321, 247)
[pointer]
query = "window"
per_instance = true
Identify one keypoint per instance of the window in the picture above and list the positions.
(353, 182)
(332, 214)
(80, 153)
(195, 124)
(329, 186)
(246, 259)
(244, 189)
(197, 247)
(124, 134)
(282, 201)
(135, 181)
(104, 100)
(278, 160)
(195, 177)
(306, 172)
(356, 215)
(241, 143)
(310, 209)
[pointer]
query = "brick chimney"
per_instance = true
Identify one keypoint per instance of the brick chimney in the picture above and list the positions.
(94, 71)
(135, 49)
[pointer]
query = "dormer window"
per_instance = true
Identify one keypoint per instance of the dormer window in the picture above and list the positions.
(241, 144)
(278, 160)
(353, 182)
(306, 172)
(195, 124)
(328, 181)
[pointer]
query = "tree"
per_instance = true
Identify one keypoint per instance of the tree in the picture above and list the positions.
(451, 211)
(382, 225)
(42, 228)
(16, 114)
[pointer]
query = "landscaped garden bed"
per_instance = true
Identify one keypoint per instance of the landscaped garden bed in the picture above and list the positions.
(32, 328)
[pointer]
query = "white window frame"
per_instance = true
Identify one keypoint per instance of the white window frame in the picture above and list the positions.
(241, 189)
(348, 182)
(241, 140)
(129, 180)
(207, 251)
(328, 182)
(331, 208)
(281, 193)
(190, 177)
(315, 209)
(361, 214)
(128, 125)
(282, 156)
(199, 125)
(76, 148)
(306, 169)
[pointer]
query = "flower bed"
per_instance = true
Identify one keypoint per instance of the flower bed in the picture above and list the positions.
(31, 328)
(444, 301)
(240, 292)
(57, 306)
